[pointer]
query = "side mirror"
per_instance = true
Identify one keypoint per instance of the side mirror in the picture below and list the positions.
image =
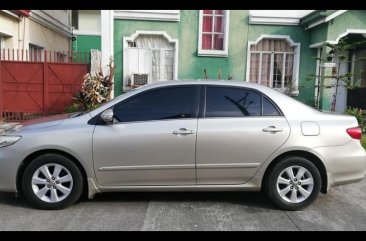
(107, 116)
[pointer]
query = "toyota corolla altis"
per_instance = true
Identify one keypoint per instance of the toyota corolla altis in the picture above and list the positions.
(185, 136)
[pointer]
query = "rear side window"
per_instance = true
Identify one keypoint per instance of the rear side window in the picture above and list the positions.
(232, 102)
(269, 109)
(158, 104)
(237, 102)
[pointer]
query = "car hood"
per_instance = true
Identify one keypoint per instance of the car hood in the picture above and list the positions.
(39, 123)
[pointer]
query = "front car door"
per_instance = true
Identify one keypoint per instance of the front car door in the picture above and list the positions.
(239, 129)
(153, 141)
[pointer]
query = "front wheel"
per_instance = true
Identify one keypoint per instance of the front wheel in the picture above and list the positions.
(293, 183)
(52, 181)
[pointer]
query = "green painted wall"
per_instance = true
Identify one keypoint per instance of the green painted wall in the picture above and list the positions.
(190, 66)
(125, 28)
(307, 63)
(318, 33)
(84, 43)
(352, 19)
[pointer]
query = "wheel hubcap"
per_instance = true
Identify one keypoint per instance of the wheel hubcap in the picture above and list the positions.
(52, 183)
(295, 184)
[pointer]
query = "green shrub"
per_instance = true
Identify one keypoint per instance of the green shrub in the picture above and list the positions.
(363, 141)
(74, 107)
(360, 116)
(95, 90)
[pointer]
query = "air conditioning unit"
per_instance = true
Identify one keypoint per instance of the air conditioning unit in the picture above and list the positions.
(138, 79)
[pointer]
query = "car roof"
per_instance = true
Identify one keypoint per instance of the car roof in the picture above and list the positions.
(286, 103)
(205, 82)
(234, 83)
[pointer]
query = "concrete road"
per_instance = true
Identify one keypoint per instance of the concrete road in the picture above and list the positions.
(343, 208)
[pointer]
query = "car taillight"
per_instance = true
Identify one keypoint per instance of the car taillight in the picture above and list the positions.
(355, 132)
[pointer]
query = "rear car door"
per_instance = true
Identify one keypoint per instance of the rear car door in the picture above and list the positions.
(238, 129)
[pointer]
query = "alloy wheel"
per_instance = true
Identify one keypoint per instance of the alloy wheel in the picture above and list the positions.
(52, 183)
(295, 184)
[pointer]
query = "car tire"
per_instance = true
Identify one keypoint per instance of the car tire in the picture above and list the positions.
(52, 181)
(296, 192)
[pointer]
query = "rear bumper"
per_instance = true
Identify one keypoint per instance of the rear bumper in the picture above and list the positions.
(344, 164)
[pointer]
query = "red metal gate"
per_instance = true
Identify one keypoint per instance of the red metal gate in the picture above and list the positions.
(39, 87)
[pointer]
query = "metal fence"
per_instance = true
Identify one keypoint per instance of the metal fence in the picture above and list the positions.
(39, 83)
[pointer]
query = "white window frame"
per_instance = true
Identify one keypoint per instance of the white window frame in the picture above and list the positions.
(2, 47)
(214, 53)
(2, 42)
(296, 66)
(149, 15)
(38, 48)
(175, 42)
(317, 73)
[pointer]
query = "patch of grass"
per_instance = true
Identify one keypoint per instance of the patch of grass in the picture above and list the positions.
(363, 141)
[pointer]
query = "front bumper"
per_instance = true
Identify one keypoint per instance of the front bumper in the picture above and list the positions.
(344, 164)
(10, 161)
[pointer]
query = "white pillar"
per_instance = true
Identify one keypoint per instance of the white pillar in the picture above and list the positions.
(107, 40)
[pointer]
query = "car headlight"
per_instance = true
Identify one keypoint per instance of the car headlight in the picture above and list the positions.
(8, 140)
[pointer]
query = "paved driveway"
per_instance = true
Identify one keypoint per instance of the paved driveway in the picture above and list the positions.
(343, 208)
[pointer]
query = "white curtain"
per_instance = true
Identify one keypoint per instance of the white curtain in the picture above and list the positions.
(169, 64)
(254, 67)
(266, 69)
(156, 60)
(271, 45)
(153, 42)
(162, 56)
(289, 68)
(277, 45)
(277, 70)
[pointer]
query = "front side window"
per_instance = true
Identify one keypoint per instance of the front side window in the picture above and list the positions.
(237, 102)
(213, 32)
(159, 104)
(272, 63)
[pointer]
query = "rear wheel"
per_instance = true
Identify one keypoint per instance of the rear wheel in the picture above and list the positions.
(293, 183)
(52, 181)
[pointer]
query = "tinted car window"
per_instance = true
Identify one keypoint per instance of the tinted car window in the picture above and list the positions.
(269, 109)
(159, 104)
(232, 102)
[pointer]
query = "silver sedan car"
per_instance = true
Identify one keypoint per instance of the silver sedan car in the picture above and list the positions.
(185, 136)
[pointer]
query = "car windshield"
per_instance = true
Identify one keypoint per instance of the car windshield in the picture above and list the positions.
(76, 114)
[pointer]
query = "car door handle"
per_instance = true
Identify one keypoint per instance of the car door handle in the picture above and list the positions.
(183, 132)
(272, 129)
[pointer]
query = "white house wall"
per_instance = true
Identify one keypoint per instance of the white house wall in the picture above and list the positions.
(46, 38)
(89, 22)
(48, 29)
(9, 29)
(61, 16)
